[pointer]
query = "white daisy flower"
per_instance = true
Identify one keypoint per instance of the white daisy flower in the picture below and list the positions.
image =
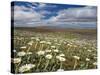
(47, 50)
(31, 65)
(49, 43)
(57, 57)
(76, 57)
(58, 44)
(32, 38)
(16, 60)
(68, 44)
(75, 46)
(26, 67)
(95, 63)
(37, 39)
(29, 53)
(60, 58)
(87, 59)
(22, 53)
(30, 43)
(42, 42)
(53, 46)
(23, 47)
(48, 56)
(89, 50)
(56, 50)
(41, 53)
(14, 51)
(62, 55)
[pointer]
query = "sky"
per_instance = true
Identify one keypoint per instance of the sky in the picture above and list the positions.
(32, 14)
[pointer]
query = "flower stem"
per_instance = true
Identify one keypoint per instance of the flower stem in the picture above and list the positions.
(36, 45)
(61, 65)
(46, 65)
(28, 49)
(39, 63)
(42, 46)
(87, 65)
(75, 65)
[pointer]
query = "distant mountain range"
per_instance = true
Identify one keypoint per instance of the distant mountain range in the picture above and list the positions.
(63, 27)
(74, 25)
